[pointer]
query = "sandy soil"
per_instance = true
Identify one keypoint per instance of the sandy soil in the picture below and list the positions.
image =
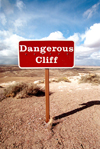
(74, 108)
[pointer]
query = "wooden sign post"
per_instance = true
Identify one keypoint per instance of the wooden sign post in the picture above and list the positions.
(47, 95)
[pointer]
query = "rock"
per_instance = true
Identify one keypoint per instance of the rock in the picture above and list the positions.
(37, 82)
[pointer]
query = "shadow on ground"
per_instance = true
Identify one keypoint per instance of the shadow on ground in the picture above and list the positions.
(85, 106)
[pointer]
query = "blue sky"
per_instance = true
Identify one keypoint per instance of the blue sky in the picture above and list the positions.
(77, 20)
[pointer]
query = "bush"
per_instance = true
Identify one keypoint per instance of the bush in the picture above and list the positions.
(63, 79)
(22, 90)
(90, 78)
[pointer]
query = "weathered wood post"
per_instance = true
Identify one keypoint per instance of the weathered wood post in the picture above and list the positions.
(47, 95)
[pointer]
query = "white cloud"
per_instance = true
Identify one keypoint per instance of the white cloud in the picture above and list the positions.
(92, 36)
(88, 52)
(5, 34)
(9, 47)
(75, 38)
(20, 4)
(3, 18)
(19, 23)
(95, 55)
(87, 56)
(54, 36)
(89, 13)
(81, 50)
(12, 44)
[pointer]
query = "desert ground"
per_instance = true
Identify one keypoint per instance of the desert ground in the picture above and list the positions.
(74, 110)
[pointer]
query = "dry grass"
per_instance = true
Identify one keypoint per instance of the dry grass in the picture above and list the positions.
(1, 87)
(90, 78)
(23, 90)
(54, 80)
(63, 79)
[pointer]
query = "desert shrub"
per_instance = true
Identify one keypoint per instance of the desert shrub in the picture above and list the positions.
(90, 78)
(12, 90)
(22, 90)
(63, 79)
